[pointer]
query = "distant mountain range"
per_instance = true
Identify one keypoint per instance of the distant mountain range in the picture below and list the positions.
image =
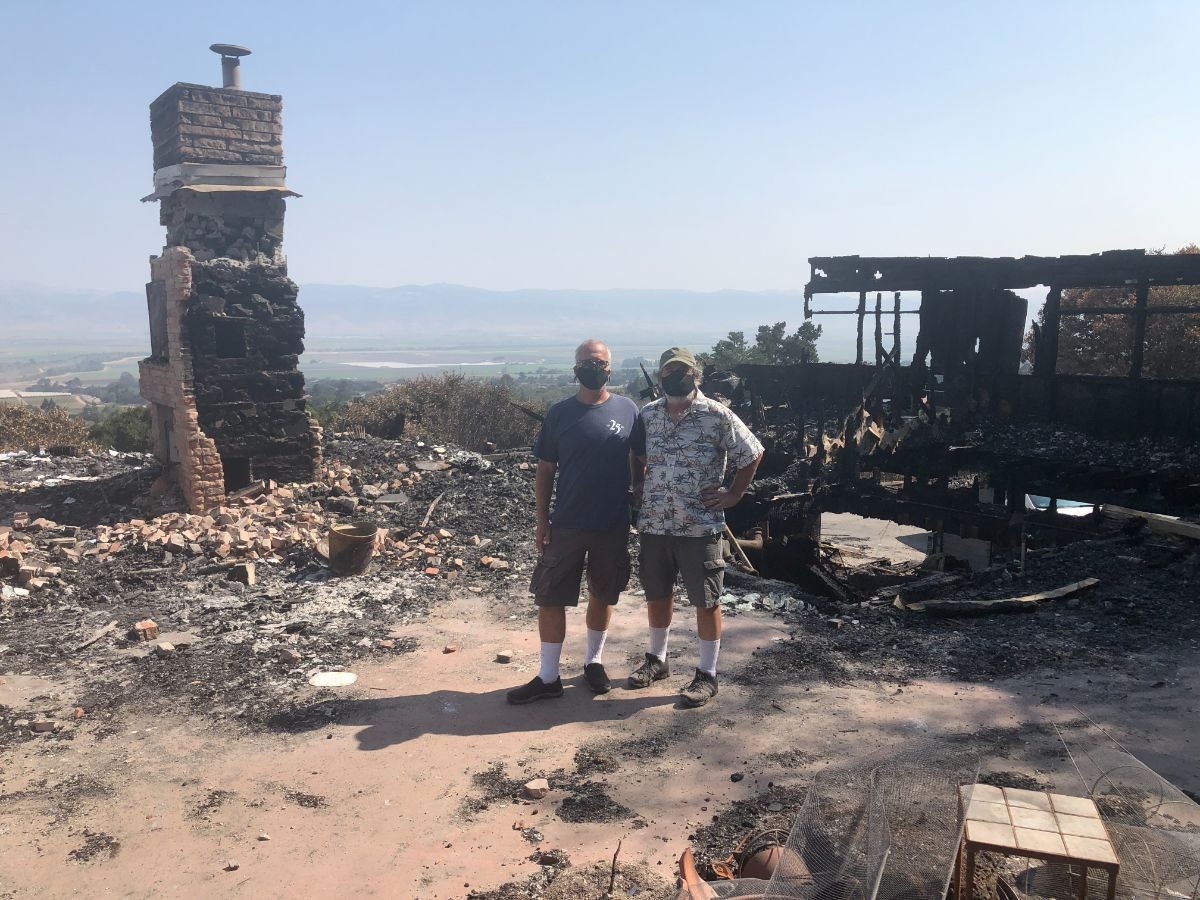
(353, 316)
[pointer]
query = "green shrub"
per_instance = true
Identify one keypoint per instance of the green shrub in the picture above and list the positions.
(469, 412)
(128, 429)
(25, 428)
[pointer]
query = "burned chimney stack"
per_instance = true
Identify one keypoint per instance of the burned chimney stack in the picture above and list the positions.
(226, 332)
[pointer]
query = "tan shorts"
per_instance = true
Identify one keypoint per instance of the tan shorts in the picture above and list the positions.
(605, 555)
(699, 560)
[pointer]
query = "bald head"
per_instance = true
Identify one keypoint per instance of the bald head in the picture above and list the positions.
(592, 349)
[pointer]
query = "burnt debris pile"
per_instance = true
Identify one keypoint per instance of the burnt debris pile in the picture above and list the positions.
(992, 456)
(243, 605)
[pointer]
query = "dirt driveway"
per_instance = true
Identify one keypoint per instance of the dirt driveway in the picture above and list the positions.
(407, 784)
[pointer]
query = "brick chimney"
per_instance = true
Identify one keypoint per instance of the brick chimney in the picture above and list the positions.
(227, 398)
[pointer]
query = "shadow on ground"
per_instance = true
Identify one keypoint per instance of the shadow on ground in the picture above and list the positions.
(388, 721)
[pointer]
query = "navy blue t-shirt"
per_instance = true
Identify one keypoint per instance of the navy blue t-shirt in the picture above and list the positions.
(590, 444)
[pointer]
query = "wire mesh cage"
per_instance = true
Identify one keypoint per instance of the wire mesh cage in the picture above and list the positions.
(1154, 826)
(883, 827)
(1015, 878)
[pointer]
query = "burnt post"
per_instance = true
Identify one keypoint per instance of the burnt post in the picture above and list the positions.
(862, 312)
(1050, 355)
(227, 398)
(896, 328)
(1139, 329)
(1139, 348)
(878, 328)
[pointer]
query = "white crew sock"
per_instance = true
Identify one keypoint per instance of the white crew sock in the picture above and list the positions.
(708, 656)
(595, 646)
(550, 655)
(658, 641)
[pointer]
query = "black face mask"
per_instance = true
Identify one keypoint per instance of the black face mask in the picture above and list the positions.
(591, 375)
(678, 384)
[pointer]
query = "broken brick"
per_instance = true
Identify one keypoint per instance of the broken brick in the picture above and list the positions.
(146, 630)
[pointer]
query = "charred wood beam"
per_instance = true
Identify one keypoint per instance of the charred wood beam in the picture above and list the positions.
(1139, 350)
(896, 313)
(1124, 379)
(1114, 268)
(1052, 318)
(986, 525)
(861, 312)
(878, 328)
(1134, 311)
(1139, 331)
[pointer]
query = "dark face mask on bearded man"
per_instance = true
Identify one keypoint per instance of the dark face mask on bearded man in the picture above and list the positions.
(678, 384)
(592, 374)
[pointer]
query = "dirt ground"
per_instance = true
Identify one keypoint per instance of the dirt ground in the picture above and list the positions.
(407, 784)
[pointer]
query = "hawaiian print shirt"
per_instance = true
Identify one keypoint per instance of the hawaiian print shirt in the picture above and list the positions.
(683, 458)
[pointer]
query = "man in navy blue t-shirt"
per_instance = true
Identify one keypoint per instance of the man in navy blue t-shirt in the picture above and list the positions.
(585, 440)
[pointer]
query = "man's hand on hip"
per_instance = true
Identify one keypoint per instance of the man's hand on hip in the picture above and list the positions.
(716, 498)
(541, 537)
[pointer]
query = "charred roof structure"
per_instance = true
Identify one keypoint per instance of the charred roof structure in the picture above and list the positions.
(962, 437)
(972, 325)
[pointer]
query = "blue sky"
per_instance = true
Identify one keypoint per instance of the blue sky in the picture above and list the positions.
(696, 144)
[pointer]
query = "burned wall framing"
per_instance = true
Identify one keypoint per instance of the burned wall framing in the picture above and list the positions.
(1111, 406)
(957, 438)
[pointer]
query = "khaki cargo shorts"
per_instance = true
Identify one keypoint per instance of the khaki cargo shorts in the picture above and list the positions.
(699, 560)
(559, 572)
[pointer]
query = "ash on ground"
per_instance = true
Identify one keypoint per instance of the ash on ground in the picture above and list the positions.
(77, 582)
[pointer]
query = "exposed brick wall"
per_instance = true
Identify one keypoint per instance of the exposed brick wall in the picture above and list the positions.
(197, 467)
(194, 123)
(251, 406)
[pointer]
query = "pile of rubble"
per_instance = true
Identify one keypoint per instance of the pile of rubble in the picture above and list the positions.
(232, 610)
(24, 470)
(1128, 594)
(249, 610)
(88, 488)
(267, 521)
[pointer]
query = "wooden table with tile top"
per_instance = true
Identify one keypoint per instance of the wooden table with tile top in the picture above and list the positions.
(1033, 825)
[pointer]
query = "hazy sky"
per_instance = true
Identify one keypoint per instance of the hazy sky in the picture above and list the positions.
(691, 144)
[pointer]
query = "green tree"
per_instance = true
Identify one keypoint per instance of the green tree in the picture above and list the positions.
(127, 430)
(730, 351)
(772, 346)
(797, 346)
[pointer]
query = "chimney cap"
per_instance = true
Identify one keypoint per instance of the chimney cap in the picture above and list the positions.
(230, 50)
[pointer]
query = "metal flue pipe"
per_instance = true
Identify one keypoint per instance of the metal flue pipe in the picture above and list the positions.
(231, 64)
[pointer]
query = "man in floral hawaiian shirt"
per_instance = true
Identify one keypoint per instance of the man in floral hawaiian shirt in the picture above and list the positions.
(680, 446)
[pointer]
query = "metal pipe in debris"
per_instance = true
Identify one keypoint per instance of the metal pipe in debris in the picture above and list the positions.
(737, 547)
(755, 543)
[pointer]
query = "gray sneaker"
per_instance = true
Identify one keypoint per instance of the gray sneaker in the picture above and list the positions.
(702, 689)
(650, 671)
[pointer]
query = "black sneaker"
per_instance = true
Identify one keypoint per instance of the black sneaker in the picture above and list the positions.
(652, 670)
(702, 689)
(597, 678)
(535, 690)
